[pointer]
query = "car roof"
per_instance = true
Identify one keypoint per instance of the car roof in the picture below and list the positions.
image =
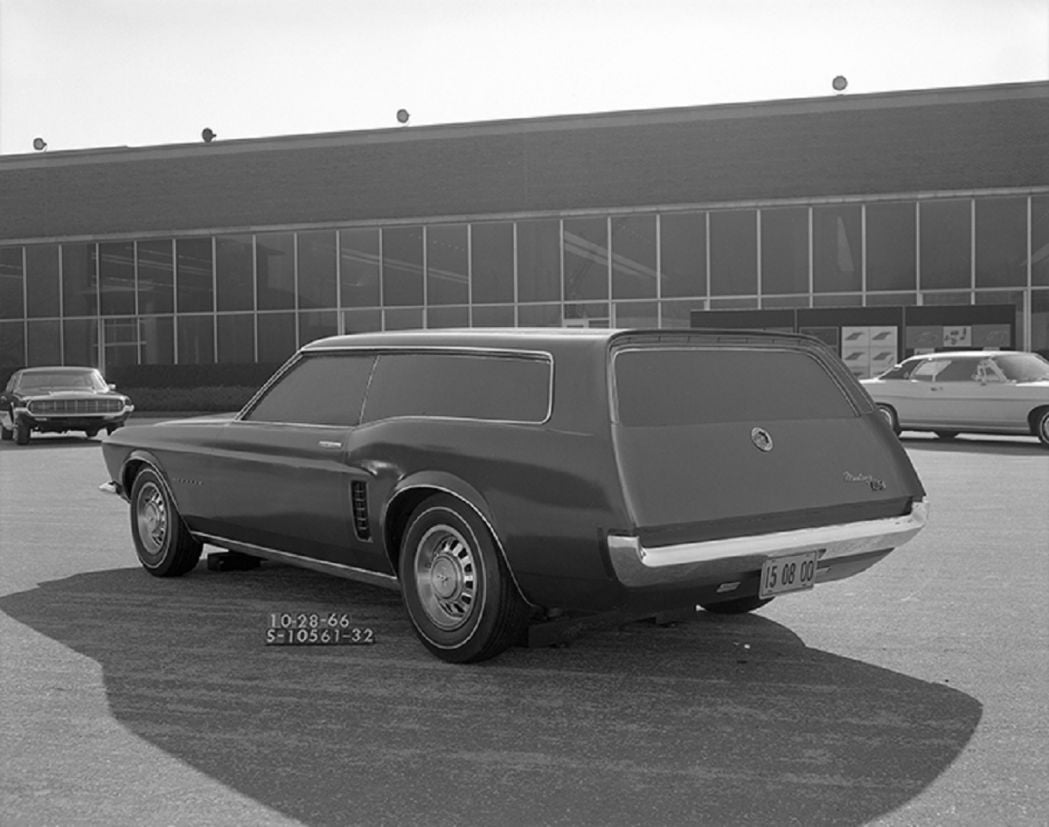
(58, 369)
(532, 338)
(954, 354)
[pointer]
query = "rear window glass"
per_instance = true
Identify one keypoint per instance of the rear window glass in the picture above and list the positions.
(470, 386)
(317, 390)
(699, 387)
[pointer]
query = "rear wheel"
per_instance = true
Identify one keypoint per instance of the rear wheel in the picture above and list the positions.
(457, 591)
(1041, 426)
(164, 546)
(889, 413)
(947, 435)
(739, 606)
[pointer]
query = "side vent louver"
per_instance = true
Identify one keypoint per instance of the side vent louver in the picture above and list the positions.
(359, 503)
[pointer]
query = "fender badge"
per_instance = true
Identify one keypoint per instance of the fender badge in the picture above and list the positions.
(761, 438)
(874, 483)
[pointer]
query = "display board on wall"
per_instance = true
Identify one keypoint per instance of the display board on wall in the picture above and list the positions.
(868, 351)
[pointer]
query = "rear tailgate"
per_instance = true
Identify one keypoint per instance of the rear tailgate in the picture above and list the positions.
(743, 434)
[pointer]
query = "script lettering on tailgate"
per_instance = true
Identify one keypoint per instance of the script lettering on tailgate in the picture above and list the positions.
(874, 483)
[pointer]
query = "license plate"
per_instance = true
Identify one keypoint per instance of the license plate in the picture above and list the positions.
(793, 573)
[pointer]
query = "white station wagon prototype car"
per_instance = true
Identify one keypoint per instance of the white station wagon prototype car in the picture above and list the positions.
(992, 392)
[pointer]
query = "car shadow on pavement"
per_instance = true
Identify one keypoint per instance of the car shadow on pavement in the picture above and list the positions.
(974, 444)
(718, 720)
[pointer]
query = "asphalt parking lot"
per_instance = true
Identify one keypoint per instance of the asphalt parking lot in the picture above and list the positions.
(916, 693)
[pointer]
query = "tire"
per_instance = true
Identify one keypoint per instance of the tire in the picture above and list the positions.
(91, 433)
(22, 431)
(890, 416)
(111, 428)
(458, 594)
(164, 546)
(1041, 426)
(947, 436)
(6, 434)
(739, 606)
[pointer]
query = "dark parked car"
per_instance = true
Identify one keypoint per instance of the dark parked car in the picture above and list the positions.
(980, 391)
(60, 399)
(501, 477)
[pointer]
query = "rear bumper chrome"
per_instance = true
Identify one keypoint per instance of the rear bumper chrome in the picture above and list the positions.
(637, 565)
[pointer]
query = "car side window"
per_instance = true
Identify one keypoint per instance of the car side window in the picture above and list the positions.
(319, 389)
(929, 370)
(958, 370)
(496, 387)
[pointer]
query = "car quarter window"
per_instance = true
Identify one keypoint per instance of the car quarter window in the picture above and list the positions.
(319, 389)
(661, 387)
(497, 387)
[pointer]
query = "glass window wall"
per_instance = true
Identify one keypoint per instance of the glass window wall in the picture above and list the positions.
(193, 274)
(156, 277)
(196, 339)
(402, 266)
(12, 343)
(447, 265)
(359, 267)
(235, 273)
(42, 282)
(733, 253)
(275, 271)
(492, 257)
(683, 254)
(116, 278)
(837, 248)
(157, 334)
(785, 250)
(12, 284)
(945, 242)
(79, 280)
(44, 342)
(276, 336)
(317, 254)
(79, 342)
(1001, 242)
(586, 259)
(1040, 240)
(236, 337)
(634, 274)
(891, 246)
(539, 260)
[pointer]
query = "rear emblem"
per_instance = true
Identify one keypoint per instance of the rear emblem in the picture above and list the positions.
(761, 438)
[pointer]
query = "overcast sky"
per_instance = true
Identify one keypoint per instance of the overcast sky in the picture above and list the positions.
(91, 73)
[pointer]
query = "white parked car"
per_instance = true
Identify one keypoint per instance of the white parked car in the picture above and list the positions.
(976, 391)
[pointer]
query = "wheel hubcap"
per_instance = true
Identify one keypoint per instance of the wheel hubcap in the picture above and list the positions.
(152, 518)
(446, 577)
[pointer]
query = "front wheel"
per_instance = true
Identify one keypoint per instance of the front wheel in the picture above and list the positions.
(1041, 426)
(456, 588)
(22, 430)
(6, 434)
(164, 546)
(741, 605)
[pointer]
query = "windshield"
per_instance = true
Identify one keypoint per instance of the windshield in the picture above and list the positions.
(86, 380)
(1023, 367)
